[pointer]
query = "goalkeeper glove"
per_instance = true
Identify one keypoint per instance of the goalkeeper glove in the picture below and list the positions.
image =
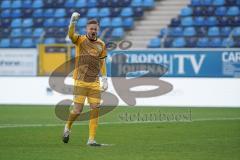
(74, 18)
(104, 83)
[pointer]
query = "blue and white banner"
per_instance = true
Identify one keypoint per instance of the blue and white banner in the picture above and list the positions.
(18, 62)
(178, 63)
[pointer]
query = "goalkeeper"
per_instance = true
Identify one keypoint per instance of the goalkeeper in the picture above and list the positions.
(89, 63)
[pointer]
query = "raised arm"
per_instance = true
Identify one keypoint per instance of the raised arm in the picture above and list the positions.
(71, 30)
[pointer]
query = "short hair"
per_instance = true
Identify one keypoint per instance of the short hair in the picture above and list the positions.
(92, 21)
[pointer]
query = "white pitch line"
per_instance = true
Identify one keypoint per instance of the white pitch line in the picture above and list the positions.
(107, 123)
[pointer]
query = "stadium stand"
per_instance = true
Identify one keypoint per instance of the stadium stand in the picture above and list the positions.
(203, 23)
(24, 22)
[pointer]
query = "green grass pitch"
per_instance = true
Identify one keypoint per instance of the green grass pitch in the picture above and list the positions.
(136, 133)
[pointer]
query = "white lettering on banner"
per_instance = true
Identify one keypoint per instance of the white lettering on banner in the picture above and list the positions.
(148, 58)
(231, 57)
(196, 65)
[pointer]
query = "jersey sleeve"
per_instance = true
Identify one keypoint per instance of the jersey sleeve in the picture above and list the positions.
(104, 52)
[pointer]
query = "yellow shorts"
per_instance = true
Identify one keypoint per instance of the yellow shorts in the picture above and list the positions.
(89, 90)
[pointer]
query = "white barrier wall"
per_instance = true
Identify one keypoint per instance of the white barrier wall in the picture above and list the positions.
(187, 92)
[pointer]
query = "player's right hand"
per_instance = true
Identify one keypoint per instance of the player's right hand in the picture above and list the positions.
(75, 17)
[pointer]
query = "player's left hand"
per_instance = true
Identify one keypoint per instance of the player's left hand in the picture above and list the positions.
(104, 83)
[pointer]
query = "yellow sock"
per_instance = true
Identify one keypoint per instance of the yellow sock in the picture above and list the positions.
(93, 123)
(72, 117)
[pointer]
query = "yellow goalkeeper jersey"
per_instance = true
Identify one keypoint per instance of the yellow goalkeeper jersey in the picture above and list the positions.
(88, 55)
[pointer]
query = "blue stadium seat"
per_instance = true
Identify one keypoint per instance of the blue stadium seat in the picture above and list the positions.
(230, 2)
(103, 3)
(198, 11)
(49, 22)
(187, 21)
(59, 3)
(236, 21)
(195, 2)
(48, 13)
(238, 2)
(5, 32)
(60, 13)
(218, 2)
(61, 22)
(225, 31)
(199, 21)
(179, 42)
(206, 2)
(164, 32)
(38, 32)
(209, 11)
(138, 12)
(202, 31)
(154, 43)
(187, 11)
(114, 3)
(6, 4)
(227, 43)
(127, 12)
(92, 12)
(105, 22)
(213, 31)
(49, 3)
(28, 43)
(27, 13)
(49, 41)
(216, 42)
(221, 11)
(27, 4)
(92, 3)
(224, 21)
(69, 3)
(236, 32)
(128, 23)
(16, 22)
(117, 33)
(177, 31)
(6, 22)
(27, 32)
(50, 32)
(175, 22)
(28, 22)
(81, 3)
(17, 32)
(189, 31)
(82, 22)
(82, 31)
(191, 42)
(115, 12)
(16, 43)
(6, 13)
(5, 43)
(37, 4)
(16, 4)
(167, 42)
(16, 13)
(148, 4)
(38, 13)
(83, 11)
(137, 3)
(61, 32)
(211, 21)
(104, 12)
(117, 22)
(233, 11)
(125, 3)
(203, 42)
(38, 22)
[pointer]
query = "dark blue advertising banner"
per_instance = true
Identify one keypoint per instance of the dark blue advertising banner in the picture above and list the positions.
(175, 63)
